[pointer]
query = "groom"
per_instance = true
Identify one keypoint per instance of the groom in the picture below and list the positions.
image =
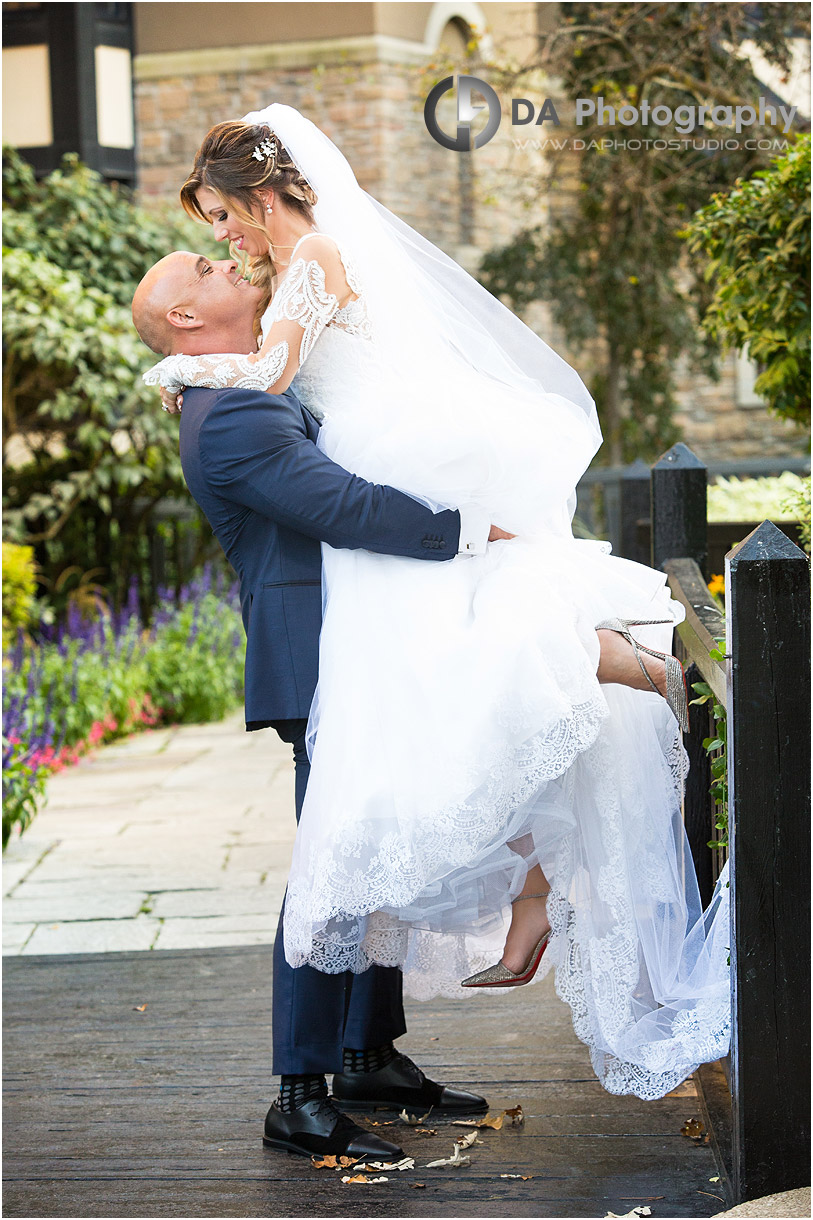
(272, 497)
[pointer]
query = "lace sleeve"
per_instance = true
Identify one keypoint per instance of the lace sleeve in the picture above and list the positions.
(301, 309)
(220, 371)
(303, 297)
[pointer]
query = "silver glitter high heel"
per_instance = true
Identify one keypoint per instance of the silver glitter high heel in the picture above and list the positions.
(677, 694)
(499, 975)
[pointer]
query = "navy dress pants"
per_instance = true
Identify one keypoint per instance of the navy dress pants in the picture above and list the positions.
(315, 1015)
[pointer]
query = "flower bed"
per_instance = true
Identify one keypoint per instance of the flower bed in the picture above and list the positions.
(86, 683)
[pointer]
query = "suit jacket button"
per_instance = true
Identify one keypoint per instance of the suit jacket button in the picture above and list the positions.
(442, 545)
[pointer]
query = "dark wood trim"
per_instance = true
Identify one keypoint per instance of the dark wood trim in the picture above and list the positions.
(72, 32)
(679, 508)
(704, 624)
(768, 600)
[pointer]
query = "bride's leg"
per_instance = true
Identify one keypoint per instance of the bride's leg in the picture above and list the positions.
(529, 921)
(617, 663)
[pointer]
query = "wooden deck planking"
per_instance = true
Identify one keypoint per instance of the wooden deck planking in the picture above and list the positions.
(113, 1112)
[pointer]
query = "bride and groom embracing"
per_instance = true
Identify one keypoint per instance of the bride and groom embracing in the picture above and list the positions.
(484, 717)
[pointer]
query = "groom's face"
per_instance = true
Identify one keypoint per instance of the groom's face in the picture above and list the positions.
(191, 303)
(212, 290)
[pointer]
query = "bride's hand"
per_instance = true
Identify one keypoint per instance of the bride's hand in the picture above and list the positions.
(171, 403)
(497, 535)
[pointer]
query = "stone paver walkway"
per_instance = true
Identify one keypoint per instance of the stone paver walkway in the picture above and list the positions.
(175, 839)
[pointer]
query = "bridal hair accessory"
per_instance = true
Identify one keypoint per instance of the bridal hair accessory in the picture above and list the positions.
(264, 150)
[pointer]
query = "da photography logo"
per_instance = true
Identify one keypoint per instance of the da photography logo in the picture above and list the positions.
(467, 111)
(687, 121)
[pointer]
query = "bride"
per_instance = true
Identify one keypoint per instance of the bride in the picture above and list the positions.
(498, 735)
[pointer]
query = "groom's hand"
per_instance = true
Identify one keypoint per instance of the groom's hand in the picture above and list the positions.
(497, 535)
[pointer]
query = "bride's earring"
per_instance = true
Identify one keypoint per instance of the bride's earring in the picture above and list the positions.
(268, 208)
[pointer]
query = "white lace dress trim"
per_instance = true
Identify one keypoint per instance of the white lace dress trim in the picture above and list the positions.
(219, 372)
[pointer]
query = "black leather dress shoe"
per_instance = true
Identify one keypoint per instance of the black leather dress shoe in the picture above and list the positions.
(402, 1086)
(320, 1129)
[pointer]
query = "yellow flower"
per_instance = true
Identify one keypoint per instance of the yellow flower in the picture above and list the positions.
(717, 586)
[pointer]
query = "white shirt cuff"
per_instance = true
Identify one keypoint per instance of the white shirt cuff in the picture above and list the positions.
(475, 527)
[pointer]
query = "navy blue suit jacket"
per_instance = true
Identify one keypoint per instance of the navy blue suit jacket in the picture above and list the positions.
(271, 497)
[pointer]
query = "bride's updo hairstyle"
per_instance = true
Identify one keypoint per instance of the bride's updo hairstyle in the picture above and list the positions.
(226, 163)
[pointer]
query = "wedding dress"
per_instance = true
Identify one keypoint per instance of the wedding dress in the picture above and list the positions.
(459, 734)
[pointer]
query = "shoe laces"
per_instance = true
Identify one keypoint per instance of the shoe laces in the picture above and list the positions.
(413, 1068)
(343, 1123)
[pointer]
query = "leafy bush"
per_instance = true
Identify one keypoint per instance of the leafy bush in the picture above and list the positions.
(757, 239)
(778, 498)
(798, 506)
(23, 788)
(19, 590)
(89, 682)
(88, 452)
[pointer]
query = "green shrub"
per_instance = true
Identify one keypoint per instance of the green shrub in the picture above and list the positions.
(88, 451)
(23, 788)
(19, 590)
(781, 497)
(195, 663)
(757, 239)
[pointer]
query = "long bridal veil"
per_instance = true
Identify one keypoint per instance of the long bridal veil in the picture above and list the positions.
(442, 339)
(461, 735)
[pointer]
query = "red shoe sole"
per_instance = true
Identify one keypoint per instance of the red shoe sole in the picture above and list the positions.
(523, 978)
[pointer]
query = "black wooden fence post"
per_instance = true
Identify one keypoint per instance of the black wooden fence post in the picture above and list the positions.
(679, 532)
(768, 627)
(679, 508)
(635, 497)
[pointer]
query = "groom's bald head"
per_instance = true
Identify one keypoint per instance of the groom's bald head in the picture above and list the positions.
(192, 304)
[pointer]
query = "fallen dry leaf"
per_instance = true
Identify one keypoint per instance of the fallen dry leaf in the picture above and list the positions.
(418, 1185)
(141, 1008)
(515, 1118)
(466, 1141)
(494, 1123)
(522, 1177)
(412, 1120)
(367, 1181)
(693, 1128)
(407, 1162)
(333, 1162)
(389, 1122)
(714, 1179)
(426, 1131)
(636, 1211)
(456, 1159)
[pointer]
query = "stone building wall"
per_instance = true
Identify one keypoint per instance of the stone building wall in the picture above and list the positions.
(722, 421)
(375, 115)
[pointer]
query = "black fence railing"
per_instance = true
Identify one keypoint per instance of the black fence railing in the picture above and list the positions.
(614, 503)
(758, 1103)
